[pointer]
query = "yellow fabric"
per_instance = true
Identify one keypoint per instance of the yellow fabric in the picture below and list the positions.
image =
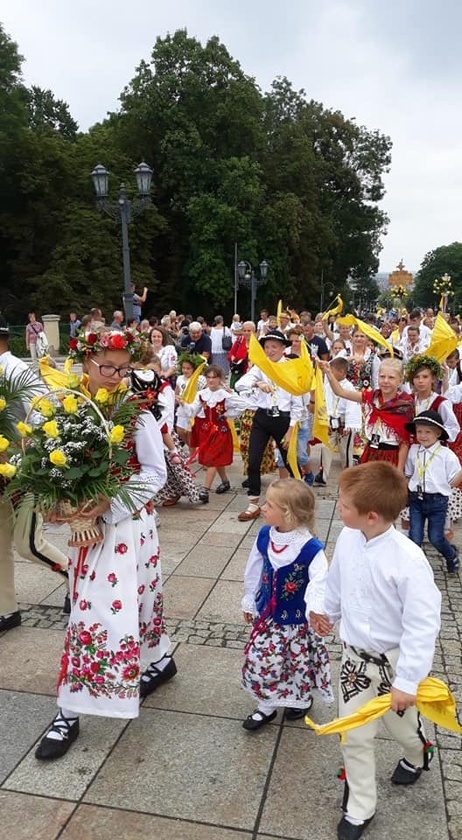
(294, 376)
(321, 419)
(371, 332)
(444, 340)
(53, 377)
(232, 428)
(278, 312)
(441, 306)
(190, 391)
(434, 700)
(335, 310)
(292, 452)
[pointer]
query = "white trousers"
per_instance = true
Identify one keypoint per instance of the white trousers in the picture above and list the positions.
(361, 681)
(344, 443)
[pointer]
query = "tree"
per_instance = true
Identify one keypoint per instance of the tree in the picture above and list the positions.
(447, 259)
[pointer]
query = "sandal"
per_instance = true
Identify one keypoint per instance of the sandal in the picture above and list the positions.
(153, 677)
(67, 730)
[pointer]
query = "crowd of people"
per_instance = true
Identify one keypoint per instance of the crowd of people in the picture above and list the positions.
(392, 414)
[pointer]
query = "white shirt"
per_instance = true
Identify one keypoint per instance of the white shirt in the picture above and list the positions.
(425, 336)
(295, 540)
(442, 465)
(383, 592)
(338, 407)
(16, 370)
(258, 399)
(444, 410)
(216, 334)
(168, 357)
(234, 405)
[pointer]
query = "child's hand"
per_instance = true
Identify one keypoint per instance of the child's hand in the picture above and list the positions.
(320, 624)
(248, 617)
(400, 701)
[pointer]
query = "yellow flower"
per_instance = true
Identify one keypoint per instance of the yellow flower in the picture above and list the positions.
(70, 405)
(51, 429)
(1, 371)
(7, 470)
(102, 395)
(117, 434)
(46, 408)
(2, 402)
(24, 429)
(4, 443)
(73, 381)
(58, 458)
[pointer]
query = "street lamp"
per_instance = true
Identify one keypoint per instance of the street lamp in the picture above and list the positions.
(247, 278)
(123, 211)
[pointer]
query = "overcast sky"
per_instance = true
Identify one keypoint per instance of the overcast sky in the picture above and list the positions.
(394, 65)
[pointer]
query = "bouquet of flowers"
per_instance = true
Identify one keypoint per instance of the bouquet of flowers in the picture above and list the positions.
(15, 394)
(76, 451)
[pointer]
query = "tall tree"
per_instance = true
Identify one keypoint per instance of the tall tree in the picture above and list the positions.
(447, 259)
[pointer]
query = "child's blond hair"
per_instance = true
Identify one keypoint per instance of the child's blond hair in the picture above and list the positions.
(296, 500)
(395, 365)
(375, 487)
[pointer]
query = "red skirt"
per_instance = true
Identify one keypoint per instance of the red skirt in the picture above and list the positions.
(456, 446)
(371, 454)
(216, 445)
(195, 438)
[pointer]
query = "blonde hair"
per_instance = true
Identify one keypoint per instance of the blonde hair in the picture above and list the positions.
(296, 500)
(395, 365)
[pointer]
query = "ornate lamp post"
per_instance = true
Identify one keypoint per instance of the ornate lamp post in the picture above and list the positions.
(443, 287)
(247, 278)
(124, 211)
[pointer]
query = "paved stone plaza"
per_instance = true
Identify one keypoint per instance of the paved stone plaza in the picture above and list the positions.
(186, 769)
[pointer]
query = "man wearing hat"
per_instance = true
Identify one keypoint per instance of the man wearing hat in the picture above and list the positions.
(433, 470)
(276, 413)
(22, 527)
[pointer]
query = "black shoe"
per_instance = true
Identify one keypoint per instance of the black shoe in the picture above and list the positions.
(203, 495)
(223, 487)
(453, 564)
(405, 773)
(319, 478)
(155, 678)
(50, 748)
(347, 831)
(297, 714)
(10, 621)
(253, 723)
(67, 604)
(245, 483)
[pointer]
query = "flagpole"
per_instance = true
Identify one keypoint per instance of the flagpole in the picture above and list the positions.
(236, 278)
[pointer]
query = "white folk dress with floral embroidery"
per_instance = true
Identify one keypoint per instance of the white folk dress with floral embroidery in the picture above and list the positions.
(116, 594)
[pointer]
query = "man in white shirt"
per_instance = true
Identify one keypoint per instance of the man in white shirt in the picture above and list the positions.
(276, 413)
(425, 334)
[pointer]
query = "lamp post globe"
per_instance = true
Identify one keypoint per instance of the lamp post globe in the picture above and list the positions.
(100, 178)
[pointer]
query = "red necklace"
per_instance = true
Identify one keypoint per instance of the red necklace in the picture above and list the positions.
(278, 550)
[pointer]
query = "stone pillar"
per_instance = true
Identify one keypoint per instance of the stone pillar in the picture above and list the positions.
(51, 327)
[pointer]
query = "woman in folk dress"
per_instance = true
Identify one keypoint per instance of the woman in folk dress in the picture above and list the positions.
(116, 586)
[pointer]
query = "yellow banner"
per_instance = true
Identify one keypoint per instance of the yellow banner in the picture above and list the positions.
(189, 393)
(371, 332)
(278, 312)
(292, 452)
(444, 340)
(321, 419)
(293, 375)
(335, 310)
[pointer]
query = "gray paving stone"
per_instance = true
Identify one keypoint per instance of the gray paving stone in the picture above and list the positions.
(24, 817)
(129, 825)
(23, 719)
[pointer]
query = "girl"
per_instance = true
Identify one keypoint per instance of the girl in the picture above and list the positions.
(423, 373)
(284, 578)
(215, 449)
(187, 365)
(338, 348)
(116, 586)
(386, 411)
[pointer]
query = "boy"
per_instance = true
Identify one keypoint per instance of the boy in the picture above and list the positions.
(433, 470)
(344, 421)
(381, 588)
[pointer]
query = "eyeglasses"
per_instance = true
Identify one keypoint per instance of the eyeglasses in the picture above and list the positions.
(110, 370)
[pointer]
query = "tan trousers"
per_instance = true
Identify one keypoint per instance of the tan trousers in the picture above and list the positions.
(359, 682)
(23, 528)
(344, 443)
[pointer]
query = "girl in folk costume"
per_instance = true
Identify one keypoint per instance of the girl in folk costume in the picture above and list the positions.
(215, 445)
(187, 365)
(452, 389)
(423, 373)
(386, 411)
(116, 585)
(284, 578)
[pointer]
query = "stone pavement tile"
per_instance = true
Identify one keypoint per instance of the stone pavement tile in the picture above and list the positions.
(30, 661)
(228, 523)
(189, 767)
(23, 717)
(173, 537)
(236, 566)
(223, 603)
(208, 681)
(183, 518)
(218, 538)
(183, 596)
(69, 777)
(24, 816)
(56, 597)
(34, 584)
(204, 561)
(90, 822)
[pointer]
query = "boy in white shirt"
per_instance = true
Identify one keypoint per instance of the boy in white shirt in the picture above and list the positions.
(433, 470)
(380, 587)
(344, 422)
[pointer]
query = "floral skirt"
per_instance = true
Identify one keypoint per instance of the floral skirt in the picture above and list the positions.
(268, 464)
(283, 663)
(371, 454)
(116, 612)
(180, 480)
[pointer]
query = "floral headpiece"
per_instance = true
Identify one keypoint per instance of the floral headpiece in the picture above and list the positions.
(97, 341)
(417, 363)
(194, 359)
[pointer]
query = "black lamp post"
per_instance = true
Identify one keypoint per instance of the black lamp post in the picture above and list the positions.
(123, 211)
(247, 278)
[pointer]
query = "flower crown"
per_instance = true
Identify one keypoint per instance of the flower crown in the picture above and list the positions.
(417, 363)
(194, 359)
(97, 341)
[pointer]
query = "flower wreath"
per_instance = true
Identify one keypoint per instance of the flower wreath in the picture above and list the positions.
(194, 359)
(97, 341)
(417, 363)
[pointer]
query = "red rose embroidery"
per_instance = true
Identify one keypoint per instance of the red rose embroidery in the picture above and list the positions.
(121, 548)
(290, 587)
(112, 578)
(83, 604)
(116, 606)
(84, 637)
(141, 589)
(131, 672)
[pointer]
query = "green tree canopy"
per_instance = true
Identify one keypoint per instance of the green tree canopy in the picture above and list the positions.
(447, 259)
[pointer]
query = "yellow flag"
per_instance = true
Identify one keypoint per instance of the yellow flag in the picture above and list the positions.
(321, 420)
(335, 310)
(278, 312)
(232, 428)
(190, 391)
(444, 340)
(371, 332)
(294, 375)
(292, 452)
(433, 700)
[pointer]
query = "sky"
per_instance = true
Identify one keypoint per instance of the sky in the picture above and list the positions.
(393, 65)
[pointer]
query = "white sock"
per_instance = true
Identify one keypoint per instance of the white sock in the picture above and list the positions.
(353, 820)
(161, 664)
(265, 708)
(71, 717)
(252, 506)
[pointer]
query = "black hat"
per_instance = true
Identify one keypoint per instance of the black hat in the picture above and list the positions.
(275, 335)
(428, 418)
(4, 329)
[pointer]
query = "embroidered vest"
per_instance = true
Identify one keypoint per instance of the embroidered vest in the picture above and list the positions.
(281, 592)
